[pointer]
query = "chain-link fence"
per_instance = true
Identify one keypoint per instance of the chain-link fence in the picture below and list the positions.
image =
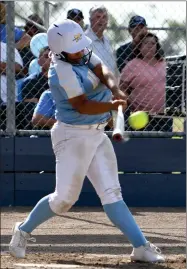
(151, 71)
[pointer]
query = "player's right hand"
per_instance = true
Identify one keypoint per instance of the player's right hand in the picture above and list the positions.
(116, 103)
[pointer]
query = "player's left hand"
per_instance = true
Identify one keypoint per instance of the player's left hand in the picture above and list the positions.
(118, 95)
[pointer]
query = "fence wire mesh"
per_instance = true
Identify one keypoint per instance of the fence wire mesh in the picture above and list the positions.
(151, 72)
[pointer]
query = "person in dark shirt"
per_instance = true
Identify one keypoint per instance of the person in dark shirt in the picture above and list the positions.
(34, 85)
(137, 29)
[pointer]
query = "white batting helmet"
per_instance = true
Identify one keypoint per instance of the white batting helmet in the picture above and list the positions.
(67, 36)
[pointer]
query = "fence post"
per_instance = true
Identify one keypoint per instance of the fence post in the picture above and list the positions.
(46, 14)
(10, 68)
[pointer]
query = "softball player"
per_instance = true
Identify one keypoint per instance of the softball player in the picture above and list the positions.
(83, 103)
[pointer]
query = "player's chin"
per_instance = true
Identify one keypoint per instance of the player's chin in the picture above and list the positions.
(75, 61)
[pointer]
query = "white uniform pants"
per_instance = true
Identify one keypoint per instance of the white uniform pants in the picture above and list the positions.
(80, 152)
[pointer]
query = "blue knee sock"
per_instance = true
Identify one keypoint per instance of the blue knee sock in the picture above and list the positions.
(38, 215)
(122, 218)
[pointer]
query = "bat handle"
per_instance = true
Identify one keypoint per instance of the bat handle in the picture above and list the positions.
(120, 108)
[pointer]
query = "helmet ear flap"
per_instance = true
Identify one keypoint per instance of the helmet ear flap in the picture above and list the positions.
(63, 56)
(87, 57)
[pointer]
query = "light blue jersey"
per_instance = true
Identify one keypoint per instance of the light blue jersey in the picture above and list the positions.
(67, 81)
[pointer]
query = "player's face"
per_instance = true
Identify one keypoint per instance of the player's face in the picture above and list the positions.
(148, 47)
(75, 57)
(99, 21)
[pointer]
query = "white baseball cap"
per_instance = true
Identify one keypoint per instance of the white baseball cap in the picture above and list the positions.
(67, 36)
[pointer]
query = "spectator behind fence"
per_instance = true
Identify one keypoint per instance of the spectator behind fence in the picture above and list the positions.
(76, 15)
(44, 113)
(31, 29)
(22, 39)
(19, 108)
(137, 29)
(100, 43)
(3, 62)
(143, 80)
(35, 84)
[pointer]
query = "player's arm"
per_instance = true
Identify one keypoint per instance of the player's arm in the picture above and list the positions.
(85, 106)
(105, 76)
(74, 89)
(108, 79)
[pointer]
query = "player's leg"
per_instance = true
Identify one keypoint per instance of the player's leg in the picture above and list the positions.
(103, 174)
(21, 231)
(72, 162)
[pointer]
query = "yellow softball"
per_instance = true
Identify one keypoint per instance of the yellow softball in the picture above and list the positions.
(138, 120)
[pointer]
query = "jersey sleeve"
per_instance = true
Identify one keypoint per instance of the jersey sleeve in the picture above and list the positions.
(69, 80)
(45, 106)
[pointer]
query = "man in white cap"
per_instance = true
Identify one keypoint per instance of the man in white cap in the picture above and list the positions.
(83, 107)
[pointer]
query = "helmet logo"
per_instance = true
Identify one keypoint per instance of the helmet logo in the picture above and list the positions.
(77, 37)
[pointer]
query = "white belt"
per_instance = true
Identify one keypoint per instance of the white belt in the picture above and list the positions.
(97, 126)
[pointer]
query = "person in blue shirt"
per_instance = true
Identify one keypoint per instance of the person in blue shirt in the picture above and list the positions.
(82, 88)
(44, 113)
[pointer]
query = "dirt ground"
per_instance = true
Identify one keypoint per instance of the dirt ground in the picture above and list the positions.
(85, 236)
